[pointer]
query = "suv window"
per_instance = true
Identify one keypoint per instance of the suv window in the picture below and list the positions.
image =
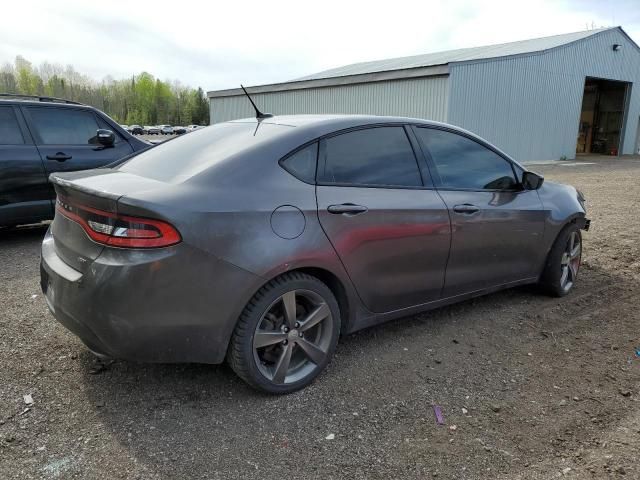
(372, 156)
(302, 164)
(464, 163)
(64, 126)
(10, 133)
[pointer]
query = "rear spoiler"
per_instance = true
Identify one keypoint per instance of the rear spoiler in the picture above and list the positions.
(70, 180)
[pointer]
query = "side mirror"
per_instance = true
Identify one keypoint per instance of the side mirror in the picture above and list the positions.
(105, 137)
(532, 181)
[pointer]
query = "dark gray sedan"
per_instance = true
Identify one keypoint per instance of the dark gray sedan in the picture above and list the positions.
(263, 241)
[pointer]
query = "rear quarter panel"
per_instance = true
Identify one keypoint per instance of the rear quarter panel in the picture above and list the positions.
(230, 213)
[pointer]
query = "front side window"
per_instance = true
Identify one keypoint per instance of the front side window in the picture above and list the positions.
(369, 157)
(302, 164)
(466, 164)
(64, 126)
(10, 133)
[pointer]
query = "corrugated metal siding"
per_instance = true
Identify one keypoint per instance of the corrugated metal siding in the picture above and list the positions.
(530, 106)
(449, 56)
(420, 97)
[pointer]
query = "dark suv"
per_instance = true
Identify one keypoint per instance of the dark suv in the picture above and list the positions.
(42, 135)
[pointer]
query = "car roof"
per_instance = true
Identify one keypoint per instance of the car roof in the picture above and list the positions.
(334, 122)
(321, 125)
(341, 121)
(223, 148)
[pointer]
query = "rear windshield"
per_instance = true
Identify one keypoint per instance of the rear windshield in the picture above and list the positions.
(177, 160)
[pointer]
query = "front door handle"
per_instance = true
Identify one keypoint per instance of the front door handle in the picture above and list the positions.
(466, 208)
(60, 157)
(347, 208)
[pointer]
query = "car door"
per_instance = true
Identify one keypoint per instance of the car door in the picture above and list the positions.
(387, 224)
(24, 193)
(496, 226)
(66, 139)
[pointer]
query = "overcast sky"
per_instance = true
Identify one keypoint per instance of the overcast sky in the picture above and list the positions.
(218, 45)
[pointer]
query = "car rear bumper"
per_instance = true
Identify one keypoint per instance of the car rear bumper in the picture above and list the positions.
(175, 304)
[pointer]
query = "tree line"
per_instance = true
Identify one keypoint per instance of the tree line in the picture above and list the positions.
(141, 99)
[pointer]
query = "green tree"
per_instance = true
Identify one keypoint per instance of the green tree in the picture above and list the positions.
(142, 99)
(8, 83)
(29, 82)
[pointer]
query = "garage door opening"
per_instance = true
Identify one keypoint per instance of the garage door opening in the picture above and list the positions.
(602, 116)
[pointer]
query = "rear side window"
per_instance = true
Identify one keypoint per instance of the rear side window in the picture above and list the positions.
(466, 164)
(302, 164)
(64, 126)
(370, 157)
(10, 133)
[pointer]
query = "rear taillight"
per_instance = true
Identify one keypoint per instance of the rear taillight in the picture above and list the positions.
(119, 230)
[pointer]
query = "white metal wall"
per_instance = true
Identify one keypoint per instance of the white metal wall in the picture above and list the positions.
(529, 106)
(420, 97)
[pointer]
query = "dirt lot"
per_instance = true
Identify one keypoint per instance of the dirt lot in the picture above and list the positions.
(530, 386)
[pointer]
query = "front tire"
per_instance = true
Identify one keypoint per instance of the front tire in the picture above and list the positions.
(286, 334)
(563, 263)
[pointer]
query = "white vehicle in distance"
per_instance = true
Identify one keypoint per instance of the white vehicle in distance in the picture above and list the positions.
(151, 130)
(166, 129)
(191, 128)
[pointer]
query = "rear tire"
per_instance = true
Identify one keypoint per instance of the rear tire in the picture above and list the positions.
(563, 262)
(286, 334)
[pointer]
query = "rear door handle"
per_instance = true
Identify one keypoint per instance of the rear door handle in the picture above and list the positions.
(466, 208)
(347, 208)
(60, 157)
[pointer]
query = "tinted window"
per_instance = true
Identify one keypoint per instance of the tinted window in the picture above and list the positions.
(10, 133)
(463, 163)
(188, 155)
(373, 156)
(64, 126)
(302, 164)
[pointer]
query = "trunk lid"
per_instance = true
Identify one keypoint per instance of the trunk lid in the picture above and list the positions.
(97, 189)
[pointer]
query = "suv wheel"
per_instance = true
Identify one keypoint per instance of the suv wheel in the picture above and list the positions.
(286, 334)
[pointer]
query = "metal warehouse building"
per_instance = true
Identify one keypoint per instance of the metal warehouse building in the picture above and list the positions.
(537, 99)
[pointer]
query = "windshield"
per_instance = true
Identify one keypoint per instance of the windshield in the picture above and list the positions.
(179, 159)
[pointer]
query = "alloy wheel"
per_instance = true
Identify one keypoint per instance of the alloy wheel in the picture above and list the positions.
(570, 262)
(293, 337)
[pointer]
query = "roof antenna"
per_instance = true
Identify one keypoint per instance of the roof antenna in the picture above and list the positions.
(259, 114)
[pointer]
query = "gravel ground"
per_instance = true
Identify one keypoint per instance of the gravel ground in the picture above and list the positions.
(530, 386)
